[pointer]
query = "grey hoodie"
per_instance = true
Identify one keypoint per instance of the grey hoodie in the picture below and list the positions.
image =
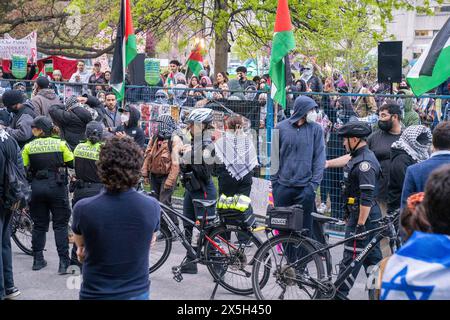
(302, 149)
(44, 100)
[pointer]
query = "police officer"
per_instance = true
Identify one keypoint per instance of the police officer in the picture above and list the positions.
(46, 159)
(86, 182)
(361, 174)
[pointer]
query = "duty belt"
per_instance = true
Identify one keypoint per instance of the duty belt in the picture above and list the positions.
(45, 174)
(80, 184)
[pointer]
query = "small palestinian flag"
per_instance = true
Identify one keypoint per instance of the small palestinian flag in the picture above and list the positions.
(125, 50)
(283, 42)
(195, 60)
(433, 66)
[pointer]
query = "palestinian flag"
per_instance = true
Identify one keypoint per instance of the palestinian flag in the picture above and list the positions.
(195, 60)
(433, 66)
(283, 42)
(125, 50)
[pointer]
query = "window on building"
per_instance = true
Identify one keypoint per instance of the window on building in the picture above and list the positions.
(424, 33)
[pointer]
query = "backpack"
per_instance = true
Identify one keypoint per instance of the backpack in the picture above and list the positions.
(16, 193)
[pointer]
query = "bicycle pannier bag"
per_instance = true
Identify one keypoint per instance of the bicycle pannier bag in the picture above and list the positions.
(285, 218)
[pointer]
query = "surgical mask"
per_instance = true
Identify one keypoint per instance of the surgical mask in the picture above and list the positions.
(311, 117)
(124, 118)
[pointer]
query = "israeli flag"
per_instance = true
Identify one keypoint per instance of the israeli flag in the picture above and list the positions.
(420, 270)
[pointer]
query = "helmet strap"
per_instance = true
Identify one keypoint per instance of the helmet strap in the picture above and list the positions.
(353, 150)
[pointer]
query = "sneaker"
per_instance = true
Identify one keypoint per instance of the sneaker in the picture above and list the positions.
(12, 293)
(321, 209)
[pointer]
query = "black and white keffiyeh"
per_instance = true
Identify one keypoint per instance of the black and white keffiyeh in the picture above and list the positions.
(166, 126)
(408, 142)
(238, 154)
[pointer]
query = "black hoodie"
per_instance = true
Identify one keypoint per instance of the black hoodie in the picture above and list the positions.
(132, 129)
(72, 123)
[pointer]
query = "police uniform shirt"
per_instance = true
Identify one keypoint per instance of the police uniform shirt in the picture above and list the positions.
(46, 153)
(361, 174)
(86, 154)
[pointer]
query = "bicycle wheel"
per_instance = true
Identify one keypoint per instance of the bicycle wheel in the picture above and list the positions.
(161, 249)
(287, 280)
(21, 230)
(230, 263)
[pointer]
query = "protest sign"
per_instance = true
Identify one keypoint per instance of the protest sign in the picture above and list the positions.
(22, 47)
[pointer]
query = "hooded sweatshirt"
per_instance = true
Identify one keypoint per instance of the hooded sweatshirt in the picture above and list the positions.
(20, 127)
(132, 129)
(44, 100)
(302, 149)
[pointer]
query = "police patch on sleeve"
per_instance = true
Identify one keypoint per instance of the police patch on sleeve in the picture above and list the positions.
(364, 166)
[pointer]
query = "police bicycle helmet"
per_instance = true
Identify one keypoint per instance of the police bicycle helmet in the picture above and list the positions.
(200, 115)
(355, 129)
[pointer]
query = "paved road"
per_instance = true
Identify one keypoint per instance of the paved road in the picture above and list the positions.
(46, 284)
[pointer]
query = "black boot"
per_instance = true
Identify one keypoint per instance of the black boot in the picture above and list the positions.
(38, 261)
(64, 264)
(189, 267)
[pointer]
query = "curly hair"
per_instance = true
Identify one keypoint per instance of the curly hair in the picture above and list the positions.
(119, 165)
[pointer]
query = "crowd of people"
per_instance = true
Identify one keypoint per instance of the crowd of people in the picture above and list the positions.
(383, 152)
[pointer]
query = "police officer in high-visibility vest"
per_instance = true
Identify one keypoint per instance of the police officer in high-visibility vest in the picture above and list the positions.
(46, 159)
(361, 175)
(87, 182)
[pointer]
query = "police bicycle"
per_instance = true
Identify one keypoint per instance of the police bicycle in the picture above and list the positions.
(226, 250)
(307, 277)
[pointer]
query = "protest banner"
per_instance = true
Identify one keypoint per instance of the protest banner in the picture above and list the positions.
(22, 47)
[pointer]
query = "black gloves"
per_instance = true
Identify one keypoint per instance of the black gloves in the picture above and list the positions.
(360, 229)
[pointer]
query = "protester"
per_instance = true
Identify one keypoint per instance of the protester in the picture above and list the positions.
(81, 77)
(161, 165)
(72, 119)
(422, 262)
(112, 116)
(196, 167)
(112, 269)
(417, 174)
(58, 87)
(380, 142)
(106, 86)
(301, 159)
(4, 84)
(129, 117)
(312, 81)
(9, 151)
(46, 159)
(44, 97)
(97, 77)
(86, 182)
(243, 82)
(238, 159)
(174, 67)
(410, 117)
(412, 147)
(23, 115)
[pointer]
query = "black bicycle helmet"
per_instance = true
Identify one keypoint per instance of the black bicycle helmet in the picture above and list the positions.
(200, 115)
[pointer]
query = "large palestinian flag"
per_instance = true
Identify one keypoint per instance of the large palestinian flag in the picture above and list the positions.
(195, 60)
(433, 66)
(125, 50)
(283, 42)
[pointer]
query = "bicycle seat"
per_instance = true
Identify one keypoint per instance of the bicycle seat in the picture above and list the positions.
(323, 219)
(204, 203)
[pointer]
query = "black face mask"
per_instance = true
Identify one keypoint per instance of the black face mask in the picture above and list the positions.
(10, 109)
(385, 125)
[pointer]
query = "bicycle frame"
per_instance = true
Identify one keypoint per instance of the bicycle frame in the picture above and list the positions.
(356, 263)
(201, 229)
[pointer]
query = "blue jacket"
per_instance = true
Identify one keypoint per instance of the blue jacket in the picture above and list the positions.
(302, 154)
(417, 175)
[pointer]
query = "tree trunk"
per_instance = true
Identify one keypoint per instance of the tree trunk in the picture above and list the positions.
(221, 41)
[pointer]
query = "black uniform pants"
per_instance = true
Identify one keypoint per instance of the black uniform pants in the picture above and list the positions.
(354, 247)
(49, 199)
(164, 195)
(89, 190)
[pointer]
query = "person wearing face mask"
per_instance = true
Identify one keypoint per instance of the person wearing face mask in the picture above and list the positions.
(129, 117)
(301, 159)
(361, 174)
(23, 115)
(160, 166)
(380, 142)
(313, 82)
